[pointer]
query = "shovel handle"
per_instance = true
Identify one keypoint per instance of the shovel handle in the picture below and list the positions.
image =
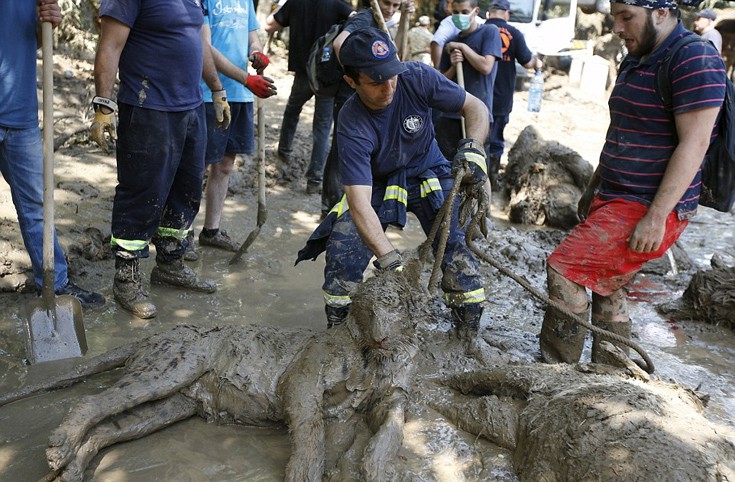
(460, 80)
(47, 49)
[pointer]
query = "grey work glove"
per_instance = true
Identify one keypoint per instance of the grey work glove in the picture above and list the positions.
(390, 261)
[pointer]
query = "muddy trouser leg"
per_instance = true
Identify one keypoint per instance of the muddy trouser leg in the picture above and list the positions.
(332, 184)
(611, 314)
(562, 339)
(495, 148)
(461, 280)
(347, 256)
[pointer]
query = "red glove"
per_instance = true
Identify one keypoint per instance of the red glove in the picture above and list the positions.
(259, 60)
(261, 86)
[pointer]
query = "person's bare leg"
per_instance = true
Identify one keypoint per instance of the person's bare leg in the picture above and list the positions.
(562, 339)
(610, 313)
(216, 191)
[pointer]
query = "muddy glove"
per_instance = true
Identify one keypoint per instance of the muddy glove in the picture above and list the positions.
(103, 123)
(261, 86)
(259, 60)
(471, 155)
(390, 261)
(221, 109)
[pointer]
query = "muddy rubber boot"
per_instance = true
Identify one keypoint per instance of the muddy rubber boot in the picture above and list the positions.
(336, 315)
(176, 273)
(128, 289)
(562, 339)
(466, 319)
(619, 328)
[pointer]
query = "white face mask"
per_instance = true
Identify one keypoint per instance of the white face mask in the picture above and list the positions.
(461, 21)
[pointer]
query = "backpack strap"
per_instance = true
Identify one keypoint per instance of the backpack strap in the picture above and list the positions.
(663, 75)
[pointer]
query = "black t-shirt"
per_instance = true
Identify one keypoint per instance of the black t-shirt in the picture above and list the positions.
(308, 20)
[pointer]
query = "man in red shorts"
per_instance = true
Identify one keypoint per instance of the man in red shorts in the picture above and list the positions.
(647, 184)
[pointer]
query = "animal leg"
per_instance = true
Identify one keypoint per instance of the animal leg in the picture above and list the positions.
(133, 389)
(388, 419)
(130, 425)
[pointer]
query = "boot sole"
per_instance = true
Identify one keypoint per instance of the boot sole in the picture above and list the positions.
(156, 280)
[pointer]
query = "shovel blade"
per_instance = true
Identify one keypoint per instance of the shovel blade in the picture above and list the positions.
(55, 330)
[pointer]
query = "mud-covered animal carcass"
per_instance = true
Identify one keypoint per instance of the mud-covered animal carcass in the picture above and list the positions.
(543, 181)
(350, 397)
(710, 296)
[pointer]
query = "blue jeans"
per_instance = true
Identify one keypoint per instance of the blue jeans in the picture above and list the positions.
(321, 125)
(21, 163)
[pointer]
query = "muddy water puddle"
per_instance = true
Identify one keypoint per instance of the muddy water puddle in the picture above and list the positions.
(265, 288)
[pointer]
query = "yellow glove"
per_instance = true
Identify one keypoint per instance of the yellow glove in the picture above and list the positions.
(103, 123)
(221, 109)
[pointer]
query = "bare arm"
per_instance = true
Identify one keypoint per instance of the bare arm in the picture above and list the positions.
(436, 54)
(459, 52)
(272, 25)
(113, 36)
(366, 220)
(694, 129)
(476, 116)
(209, 71)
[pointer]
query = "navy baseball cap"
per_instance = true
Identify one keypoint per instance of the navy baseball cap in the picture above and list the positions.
(372, 52)
(708, 13)
(500, 5)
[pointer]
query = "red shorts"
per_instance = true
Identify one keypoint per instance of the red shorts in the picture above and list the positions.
(596, 252)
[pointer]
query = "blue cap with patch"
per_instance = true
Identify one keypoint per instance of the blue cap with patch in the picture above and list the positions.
(372, 52)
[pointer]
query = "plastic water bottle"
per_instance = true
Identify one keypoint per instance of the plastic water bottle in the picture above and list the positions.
(326, 55)
(536, 92)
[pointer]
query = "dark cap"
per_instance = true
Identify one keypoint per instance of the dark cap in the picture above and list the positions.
(707, 13)
(372, 52)
(500, 5)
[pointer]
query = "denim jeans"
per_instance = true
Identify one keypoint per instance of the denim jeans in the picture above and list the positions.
(321, 124)
(21, 163)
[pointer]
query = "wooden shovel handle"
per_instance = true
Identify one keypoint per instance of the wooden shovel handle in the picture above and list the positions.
(47, 49)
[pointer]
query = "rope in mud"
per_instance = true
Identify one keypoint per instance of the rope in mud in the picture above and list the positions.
(482, 199)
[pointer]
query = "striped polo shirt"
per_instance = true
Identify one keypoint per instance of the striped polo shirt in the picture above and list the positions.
(642, 133)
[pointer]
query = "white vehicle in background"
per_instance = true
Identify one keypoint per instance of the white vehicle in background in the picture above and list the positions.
(547, 25)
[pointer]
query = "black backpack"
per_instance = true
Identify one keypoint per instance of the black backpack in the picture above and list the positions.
(322, 67)
(718, 167)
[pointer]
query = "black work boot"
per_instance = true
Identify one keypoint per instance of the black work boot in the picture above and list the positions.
(619, 328)
(562, 339)
(466, 319)
(493, 166)
(176, 273)
(336, 315)
(128, 288)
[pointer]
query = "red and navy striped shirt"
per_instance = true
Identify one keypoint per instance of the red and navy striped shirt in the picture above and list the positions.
(642, 134)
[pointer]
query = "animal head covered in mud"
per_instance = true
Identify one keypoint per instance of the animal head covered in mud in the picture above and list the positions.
(386, 310)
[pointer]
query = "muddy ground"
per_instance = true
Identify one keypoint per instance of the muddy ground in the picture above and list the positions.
(266, 288)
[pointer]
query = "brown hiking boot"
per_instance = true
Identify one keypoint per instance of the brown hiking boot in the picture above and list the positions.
(128, 289)
(220, 239)
(622, 329)
(562, 339)
(176, 273)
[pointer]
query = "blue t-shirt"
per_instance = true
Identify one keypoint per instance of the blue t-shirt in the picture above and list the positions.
(484, 40)
(374, 145)
(18, 100)
(513, 47)
(161, 63)
(642, 133)
(231, 22)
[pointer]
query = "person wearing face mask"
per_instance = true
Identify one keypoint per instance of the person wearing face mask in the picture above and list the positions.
(478, 47)
(647, 184)
(448, 28)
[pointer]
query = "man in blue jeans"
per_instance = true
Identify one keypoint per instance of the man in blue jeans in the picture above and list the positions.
(308, 20)
(21, 147)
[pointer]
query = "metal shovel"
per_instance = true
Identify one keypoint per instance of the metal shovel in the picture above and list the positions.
(55, 329)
